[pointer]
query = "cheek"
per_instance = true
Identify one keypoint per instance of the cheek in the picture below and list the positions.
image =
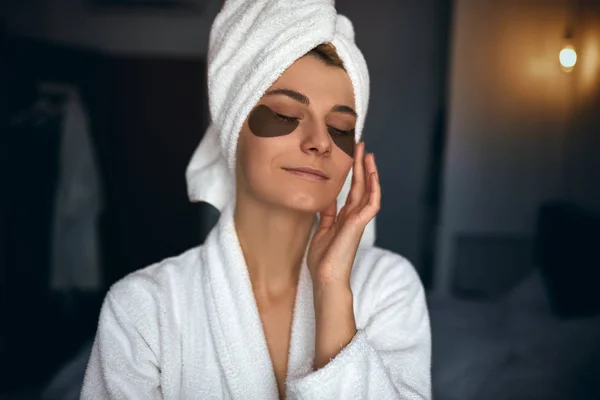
(343, 166)
(256, 154)
(253, 155)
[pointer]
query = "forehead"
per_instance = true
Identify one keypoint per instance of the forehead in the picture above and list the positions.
(320, 82)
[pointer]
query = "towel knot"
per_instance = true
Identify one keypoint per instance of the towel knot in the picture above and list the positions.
(344, 27)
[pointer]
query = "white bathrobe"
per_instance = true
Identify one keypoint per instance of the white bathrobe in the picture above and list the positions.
(189, 328)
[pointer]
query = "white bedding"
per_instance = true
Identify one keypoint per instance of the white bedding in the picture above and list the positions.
(513, 349)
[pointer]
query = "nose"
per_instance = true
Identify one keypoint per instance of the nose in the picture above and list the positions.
(316, 139)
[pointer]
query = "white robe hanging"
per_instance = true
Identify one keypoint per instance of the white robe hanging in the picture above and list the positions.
(189, 328)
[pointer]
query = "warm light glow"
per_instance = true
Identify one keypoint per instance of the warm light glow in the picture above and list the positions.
(568, 57)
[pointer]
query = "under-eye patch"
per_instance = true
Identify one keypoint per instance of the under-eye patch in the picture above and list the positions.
(343, 139)
(264, 122)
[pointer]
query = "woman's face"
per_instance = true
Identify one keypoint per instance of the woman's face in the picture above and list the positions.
(305, 121)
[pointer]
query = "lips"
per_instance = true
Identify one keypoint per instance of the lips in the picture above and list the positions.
(308, 172)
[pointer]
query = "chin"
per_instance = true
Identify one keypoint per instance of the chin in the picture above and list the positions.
(307, 201)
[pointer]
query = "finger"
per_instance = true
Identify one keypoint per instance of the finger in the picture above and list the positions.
(358, 176)
(373, 205)
(370, 168)
(370, 165)
(328, 215)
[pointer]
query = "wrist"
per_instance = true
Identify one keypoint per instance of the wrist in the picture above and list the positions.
(335, 292)
(335, 323)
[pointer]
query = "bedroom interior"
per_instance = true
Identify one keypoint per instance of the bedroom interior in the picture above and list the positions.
(490, 177)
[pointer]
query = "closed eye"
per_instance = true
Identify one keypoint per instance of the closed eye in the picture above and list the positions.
(286, 117)
(339, 132)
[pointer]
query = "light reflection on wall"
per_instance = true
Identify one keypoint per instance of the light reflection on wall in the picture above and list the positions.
(509, 111)
(589, 62)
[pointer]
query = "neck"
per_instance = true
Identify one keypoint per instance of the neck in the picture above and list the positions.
(273, 241)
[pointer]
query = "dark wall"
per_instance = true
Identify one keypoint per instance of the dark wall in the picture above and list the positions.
(147, 116)
(155, 121)
(583, 140)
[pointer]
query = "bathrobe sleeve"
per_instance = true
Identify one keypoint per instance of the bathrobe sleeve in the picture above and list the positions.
(122, 364)
(390, 355)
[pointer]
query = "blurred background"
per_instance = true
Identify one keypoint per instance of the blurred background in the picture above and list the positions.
(485, 119)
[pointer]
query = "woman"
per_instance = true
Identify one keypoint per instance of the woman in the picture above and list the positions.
(274, 305)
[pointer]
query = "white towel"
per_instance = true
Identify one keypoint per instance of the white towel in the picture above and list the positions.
(251, 44)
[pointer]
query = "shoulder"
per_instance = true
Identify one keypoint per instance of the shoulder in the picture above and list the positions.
(148, 290)
(381, 278)
(379, 268)
(390, 304)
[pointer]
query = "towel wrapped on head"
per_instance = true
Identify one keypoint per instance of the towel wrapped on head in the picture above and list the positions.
(251, 44)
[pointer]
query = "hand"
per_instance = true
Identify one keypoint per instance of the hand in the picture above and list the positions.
(333, 246)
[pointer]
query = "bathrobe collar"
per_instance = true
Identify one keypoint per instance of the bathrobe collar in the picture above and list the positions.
(235, 321)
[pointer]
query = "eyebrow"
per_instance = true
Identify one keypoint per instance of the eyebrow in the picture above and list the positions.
(345, 110)
(299, 97)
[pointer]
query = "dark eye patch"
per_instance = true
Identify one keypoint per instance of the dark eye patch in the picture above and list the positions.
(343, 139)
(263, 122)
